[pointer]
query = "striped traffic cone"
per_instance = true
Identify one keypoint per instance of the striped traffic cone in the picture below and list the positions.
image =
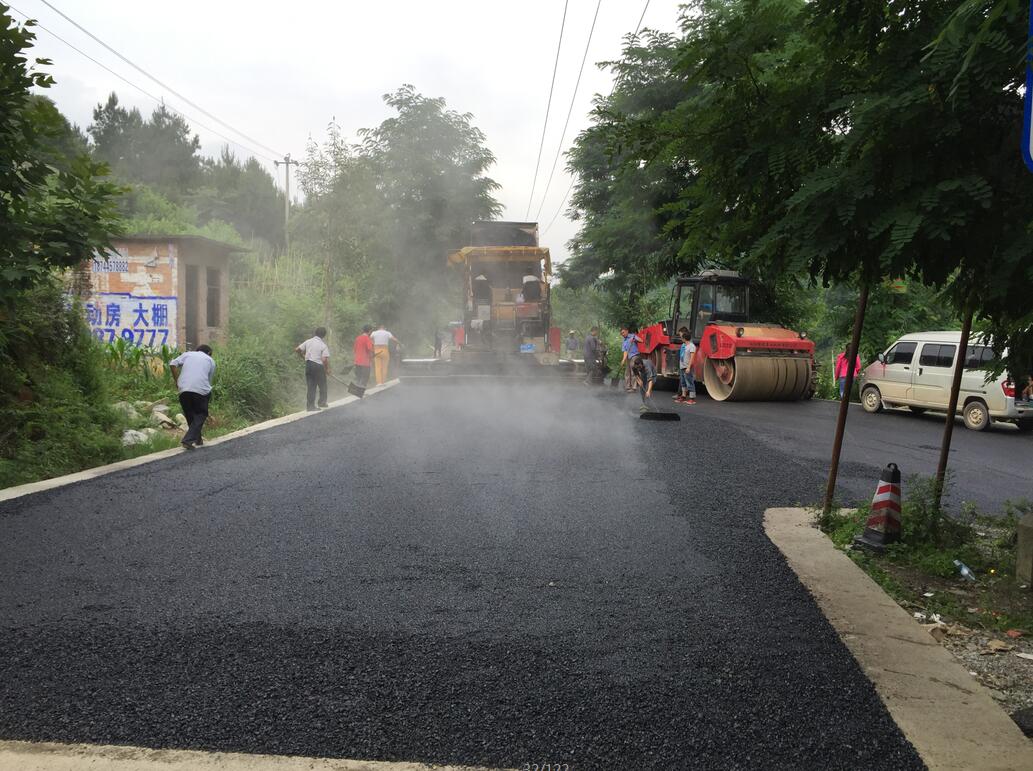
(883, 526)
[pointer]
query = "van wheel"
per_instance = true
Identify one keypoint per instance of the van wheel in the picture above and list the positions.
(977, 417)
(917, 410)
(871, 399)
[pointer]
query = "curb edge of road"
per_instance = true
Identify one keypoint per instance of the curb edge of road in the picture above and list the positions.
(51, 756)
(950, 719)
(31, 488)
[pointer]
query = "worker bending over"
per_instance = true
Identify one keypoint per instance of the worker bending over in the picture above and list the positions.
(645, 376)
(192, 373)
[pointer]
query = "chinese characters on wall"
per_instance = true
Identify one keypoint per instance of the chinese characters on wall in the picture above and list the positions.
(145, 321)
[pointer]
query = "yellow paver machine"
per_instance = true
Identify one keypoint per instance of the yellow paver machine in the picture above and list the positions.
(506, 326)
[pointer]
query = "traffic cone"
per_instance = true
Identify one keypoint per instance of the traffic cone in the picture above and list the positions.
(883, 526)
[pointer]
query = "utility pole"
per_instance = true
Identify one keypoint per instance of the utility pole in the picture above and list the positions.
(286, 162)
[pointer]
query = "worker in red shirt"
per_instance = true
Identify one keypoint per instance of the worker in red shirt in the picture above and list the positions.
(841, 370)
(363, 351)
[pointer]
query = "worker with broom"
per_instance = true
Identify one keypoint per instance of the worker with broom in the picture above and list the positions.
(317, 366)
(362, 350)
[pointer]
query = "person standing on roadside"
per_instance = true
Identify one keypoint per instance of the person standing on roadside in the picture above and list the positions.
(192, 373)
(573, 346)
(591, 354)
(382, 353)
(841, 370)
(317, 366)
(686, 380)
(362, 350)
(630, 349)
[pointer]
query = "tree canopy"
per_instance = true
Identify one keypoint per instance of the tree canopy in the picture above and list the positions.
(55, 209)
(391, 205)
(840, 140)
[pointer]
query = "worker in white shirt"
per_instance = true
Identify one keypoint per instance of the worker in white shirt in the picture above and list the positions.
(192, 373)
(382, 340)
(317, 366)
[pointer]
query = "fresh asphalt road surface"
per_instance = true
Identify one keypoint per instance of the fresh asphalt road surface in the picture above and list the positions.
(986, 468)
(491, 574)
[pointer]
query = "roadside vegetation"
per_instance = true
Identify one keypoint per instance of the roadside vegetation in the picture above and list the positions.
(381, 209)
(985, 622)
(750, 138)
(930, 543)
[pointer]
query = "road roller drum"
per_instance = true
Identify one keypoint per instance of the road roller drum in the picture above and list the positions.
(758, 378)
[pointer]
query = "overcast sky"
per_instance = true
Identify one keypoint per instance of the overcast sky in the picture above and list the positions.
(280, 71)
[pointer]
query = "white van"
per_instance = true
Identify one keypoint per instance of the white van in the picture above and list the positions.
(916, 372)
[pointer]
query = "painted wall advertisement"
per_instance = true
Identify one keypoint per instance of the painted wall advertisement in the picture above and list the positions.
(145, 321)
(133, 298)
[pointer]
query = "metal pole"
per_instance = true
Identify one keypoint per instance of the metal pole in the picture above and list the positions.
(952, 406)
(844, 402)
(286, 163)
(287, 203)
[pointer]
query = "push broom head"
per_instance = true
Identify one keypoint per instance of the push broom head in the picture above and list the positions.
(355, 390)
(660, 416)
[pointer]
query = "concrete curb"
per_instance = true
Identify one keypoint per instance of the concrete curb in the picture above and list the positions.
(33, 756)
(99, 471)
(950, 719)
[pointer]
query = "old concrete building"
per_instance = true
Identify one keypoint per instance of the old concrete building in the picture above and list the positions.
(160, 290)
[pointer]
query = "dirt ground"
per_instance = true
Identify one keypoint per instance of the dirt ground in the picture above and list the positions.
(986, 625)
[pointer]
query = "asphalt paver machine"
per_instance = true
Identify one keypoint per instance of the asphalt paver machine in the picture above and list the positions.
(507, 317)
(736, 359)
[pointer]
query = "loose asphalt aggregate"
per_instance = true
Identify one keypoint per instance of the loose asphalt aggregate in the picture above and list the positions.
(496, 574)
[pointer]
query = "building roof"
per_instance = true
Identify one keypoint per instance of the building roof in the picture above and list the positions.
(209, 243)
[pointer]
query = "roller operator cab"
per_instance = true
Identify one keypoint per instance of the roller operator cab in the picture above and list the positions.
(736, 359)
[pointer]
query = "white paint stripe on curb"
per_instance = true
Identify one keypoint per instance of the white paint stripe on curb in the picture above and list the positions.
(99, 471)
(950, 718)
(46, 756)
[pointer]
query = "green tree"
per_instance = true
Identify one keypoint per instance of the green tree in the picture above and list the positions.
(625, 182)
(243, 194)
(52, 214)
(389, 208)
(160, 152)
(430, 163)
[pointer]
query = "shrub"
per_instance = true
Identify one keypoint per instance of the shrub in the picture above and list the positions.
(250, 381)
(54, 402)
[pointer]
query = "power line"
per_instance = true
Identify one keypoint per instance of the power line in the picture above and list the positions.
(142, 90)
(557, 214)
(570, 110)
(563, 203)
(548, 106)
(168, 88)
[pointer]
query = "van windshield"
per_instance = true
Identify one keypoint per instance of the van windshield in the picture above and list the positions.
(901, 353)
